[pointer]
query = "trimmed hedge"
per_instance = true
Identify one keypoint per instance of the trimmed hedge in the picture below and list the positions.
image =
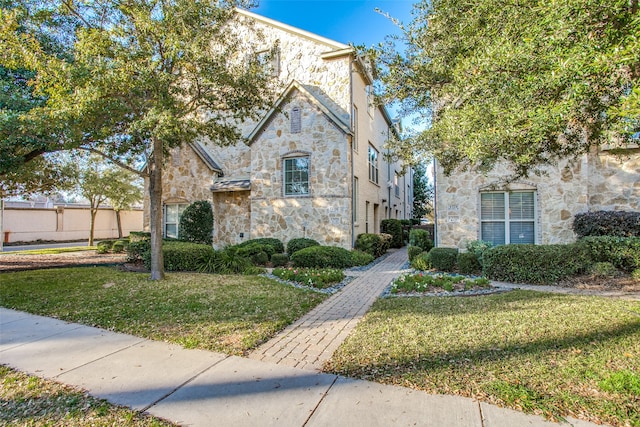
(607, 223)
(279, 260)
(359, 258)
(622, 252)
(468, 263)
(322, 257)
(443, 259)
(478, 248)
(394, 228)
(181, 256)
(413, 251)
(537, 264)
(421, 238)
(294, 245)
(373, 244)
(277, 245)
(421, 262)
(196, 223)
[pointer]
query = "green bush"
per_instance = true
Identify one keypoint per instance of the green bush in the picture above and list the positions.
(359, 258)
(478, 248)
(420, 238)
(261, 258)
(279, 260)
(394, 228)
(227, 261)
(622, 252)
(294, 245)
(139, 236)
(636, 274)
(318, 278)
(322, 257)
(138, 250)
(443, 259)
(196, 223)
(468, 263)
(421, 262)
(537, 264)
(373, 244)
(414, 251)
(181, 256)
(119, 246)
(604, 269)
(607, 223)
(277, 245)
(254, 248)
(104, 246)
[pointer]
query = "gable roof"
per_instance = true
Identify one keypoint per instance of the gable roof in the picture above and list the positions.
(206, 158)
(328, 110)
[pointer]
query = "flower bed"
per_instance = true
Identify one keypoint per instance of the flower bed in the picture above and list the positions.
(320, 278)
(420, 282)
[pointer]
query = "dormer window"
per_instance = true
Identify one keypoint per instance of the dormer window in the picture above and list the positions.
(296, 120)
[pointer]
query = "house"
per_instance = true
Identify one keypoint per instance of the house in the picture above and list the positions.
(538, 209)
(313, 166)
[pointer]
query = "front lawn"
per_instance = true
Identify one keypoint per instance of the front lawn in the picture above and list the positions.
(549, 354)
(229, 314)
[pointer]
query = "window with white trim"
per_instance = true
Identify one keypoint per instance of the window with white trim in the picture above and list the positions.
(373, 164)
(171, 218)
(354, 125)
(507, 217)
(296, 176)
(356, 193)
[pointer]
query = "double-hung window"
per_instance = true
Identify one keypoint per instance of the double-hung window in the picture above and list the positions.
(296, 176)
(507, 217)
(172, 214)
(373, 164)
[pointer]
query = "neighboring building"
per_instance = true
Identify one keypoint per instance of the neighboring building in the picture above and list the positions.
(538, 209)
(314, 165)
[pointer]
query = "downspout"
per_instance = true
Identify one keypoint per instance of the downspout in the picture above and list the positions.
(353, 199)
(435, 203)
(389, 173)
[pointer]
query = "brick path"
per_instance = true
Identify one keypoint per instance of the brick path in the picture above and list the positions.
(311, 341)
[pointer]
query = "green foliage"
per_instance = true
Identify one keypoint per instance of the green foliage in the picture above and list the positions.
(181, 256)
(359, 258)
(138, 250)
(478, 247)
(279, 260)
(623, 382)
(227, 261)
(277, 245)
(622, 252)
(604, 269)
(421, 262)
(607, 223)
(443, 259)
(394, 228)
(553, 88)
(259, 253)
(422, 193)
(119, 246)
(537, 264)
(322, 257)
(294, 245)
(636, 274)
(420, 238)
(104, 246)
(139, 236)
(413, 251)
(373, 244)
(420, 282)
(468, 263)
(315, 277)
(196, 223)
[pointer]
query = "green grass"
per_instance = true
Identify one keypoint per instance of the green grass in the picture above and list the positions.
(31, 401)
(549, 354)
(51, 251)
(229, 314)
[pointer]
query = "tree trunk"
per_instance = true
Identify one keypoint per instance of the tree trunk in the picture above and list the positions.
(93, 211)
(155, 211)
(119, 222)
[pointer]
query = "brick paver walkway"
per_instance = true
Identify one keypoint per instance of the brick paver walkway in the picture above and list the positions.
(311, 341)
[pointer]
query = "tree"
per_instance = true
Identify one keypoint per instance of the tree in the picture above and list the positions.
(135, 78)
(122, 193)
(422, 192)
(196, 223)
(524, 81)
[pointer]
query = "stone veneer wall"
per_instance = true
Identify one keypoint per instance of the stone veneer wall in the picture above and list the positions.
(324, 215)
(231, 218)
(599, 181)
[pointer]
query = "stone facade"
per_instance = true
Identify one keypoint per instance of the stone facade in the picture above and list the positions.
(597, 181)
(327, 82)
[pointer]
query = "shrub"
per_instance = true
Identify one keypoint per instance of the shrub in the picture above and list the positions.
(181, 256)
(607, 223)
(373, 244)
(421, 262)
(359, 258)
(478, 248)
(538, 264)
(443, 259)
(322, 257)
(138, 250)
(255, 248)
(139, 236)
(413, 251)
(468, 263)
(294, 245)
(394, 228)
(196, 223)
(622, 252)
(277, 245)
(636, 274)
(227, 261)
(119, 246)
(104, 246)
(604, 269)
(279, 260)
(420, 238)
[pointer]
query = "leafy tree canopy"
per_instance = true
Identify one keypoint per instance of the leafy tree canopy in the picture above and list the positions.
(422, 192)
(519, 80)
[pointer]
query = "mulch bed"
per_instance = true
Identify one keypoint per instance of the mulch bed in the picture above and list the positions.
(622, 283)
(9, 262)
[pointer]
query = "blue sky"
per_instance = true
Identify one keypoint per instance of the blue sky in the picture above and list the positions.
(345, 21)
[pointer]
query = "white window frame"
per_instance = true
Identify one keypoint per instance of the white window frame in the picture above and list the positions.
(165, 216)
(354, 118)
(288, 174)
(373, 162)
(356, 194)
(507, 219)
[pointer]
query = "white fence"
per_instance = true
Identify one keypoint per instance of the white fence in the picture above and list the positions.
(65, 224)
